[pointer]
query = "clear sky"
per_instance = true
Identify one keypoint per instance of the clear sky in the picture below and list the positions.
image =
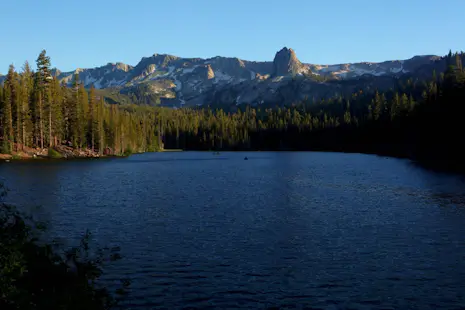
(84, 33)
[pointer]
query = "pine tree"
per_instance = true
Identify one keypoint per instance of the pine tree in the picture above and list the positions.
(458, 63)
(43, 79)
(411, 103)
(83, 110)
(370, 113)
(56, 107)
(91, 117)
(26, 87)
(347, 117)
(7, 114)
(1, 113)
(100, 125)
(377, 110)
(41, 121)
(73, 111)
(395, 106)
(404, 106)
(15, 105)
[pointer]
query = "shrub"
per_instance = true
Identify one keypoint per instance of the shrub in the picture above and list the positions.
(52, 153)
(5, 147)
(128, 151)
(34, 275)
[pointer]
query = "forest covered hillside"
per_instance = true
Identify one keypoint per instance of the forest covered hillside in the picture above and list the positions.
(417, 117)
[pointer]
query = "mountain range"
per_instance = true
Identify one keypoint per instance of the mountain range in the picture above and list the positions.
(176, 82)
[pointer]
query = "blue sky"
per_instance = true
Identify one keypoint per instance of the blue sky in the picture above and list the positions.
(92, 33)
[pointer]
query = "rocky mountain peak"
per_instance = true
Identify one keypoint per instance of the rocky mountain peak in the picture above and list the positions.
(122, 66)
(286, 63)
(164, 60)
(173, 81)
(116, 66)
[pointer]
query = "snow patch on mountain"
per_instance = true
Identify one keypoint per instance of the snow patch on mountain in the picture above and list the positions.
(252, 75)
(98, 84)
(89, 80)
(164, 75)
(237, 100)
(178, 84)
(188, 70)
(221, 76)
(277, 79)
(398, 70)
(114, 82)
(361, 71)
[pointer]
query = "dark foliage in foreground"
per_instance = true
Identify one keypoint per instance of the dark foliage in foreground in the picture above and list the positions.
(34, 275)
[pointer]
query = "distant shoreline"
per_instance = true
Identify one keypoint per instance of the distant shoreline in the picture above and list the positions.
(84, 155)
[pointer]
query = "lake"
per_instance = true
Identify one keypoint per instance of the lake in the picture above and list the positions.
(281, 229)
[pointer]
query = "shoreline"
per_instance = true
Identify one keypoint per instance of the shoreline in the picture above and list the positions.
(16, 158)
(440, 166)
(60, 152)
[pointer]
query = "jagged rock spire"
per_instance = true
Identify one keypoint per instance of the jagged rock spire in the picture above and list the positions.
(286, 63)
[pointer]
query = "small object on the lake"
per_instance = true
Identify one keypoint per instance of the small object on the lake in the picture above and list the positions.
(245, 158)
(7, 160)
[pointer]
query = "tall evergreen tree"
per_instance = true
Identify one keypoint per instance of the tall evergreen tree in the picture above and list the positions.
(43, 80)
(91, 118)
(26, 89)
(9, 96)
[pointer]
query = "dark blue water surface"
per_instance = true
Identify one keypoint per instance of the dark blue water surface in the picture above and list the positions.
(287, 230)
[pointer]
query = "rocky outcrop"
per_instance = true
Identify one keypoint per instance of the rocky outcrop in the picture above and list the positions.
(203, 73)
(286, 63)
(210, 73)
(260, 77)
(68, 152)
(233, 67)
(58, 152)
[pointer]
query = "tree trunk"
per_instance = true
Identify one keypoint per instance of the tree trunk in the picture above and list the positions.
(24, 136)
(18, 125)
(23, 125)
(50, 125)
(41, 123)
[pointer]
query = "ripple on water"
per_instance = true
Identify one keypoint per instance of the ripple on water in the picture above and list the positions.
(283, 230)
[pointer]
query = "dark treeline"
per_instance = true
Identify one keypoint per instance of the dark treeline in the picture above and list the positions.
(39, 275)
(36, 111)
(417, 119)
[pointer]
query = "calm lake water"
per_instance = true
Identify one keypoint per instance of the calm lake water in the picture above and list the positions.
(287, 230)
